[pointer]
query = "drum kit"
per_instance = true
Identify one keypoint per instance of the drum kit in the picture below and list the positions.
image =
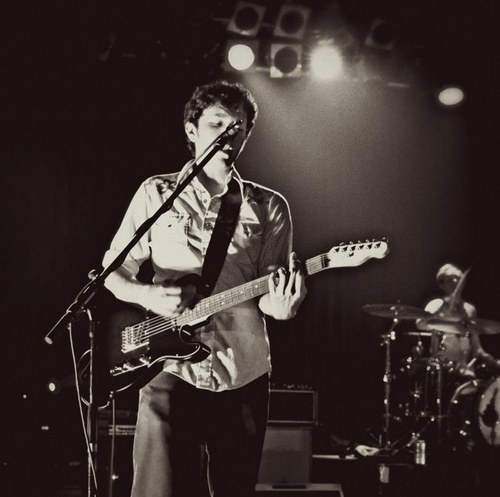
(460, 404)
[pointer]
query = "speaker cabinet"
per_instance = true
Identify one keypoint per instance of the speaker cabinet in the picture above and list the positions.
(287, 455)
(115, 480)
(114, 463)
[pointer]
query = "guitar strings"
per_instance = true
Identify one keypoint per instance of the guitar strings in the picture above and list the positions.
(205, 307)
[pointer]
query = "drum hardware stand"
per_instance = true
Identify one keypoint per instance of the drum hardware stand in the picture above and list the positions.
(387, 338)
(439, 386)
(439, 400)
(414, 438)
(417, 392)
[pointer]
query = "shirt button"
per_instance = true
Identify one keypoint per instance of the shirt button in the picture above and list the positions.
(204, 201)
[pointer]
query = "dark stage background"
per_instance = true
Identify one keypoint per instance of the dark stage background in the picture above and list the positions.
(356, 159)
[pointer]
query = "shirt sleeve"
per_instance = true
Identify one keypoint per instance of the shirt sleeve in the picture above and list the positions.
(136, 214)
(277, 236)
(434, 306)
(470, 310)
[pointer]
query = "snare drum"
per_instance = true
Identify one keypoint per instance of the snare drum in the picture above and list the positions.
(474, 415)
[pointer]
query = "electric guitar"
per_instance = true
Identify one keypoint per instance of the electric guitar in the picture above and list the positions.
(134, 345)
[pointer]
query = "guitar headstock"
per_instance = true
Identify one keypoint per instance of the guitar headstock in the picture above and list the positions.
(354, 254)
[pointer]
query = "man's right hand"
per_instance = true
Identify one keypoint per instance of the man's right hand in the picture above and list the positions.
(168, 299)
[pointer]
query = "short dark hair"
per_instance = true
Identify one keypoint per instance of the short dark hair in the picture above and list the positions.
(448, 270)
(229, 95)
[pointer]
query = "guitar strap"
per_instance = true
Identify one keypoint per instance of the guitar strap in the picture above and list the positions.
(221, 236)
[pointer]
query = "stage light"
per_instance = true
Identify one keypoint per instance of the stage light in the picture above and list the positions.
(286, 60)
(382, 35)
(326, 61)
(247, 18)
(292, 22)
(450, 96)
(241, 55)
(53, 386)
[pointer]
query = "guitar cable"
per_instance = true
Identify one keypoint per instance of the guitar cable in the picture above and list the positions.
(111, 478)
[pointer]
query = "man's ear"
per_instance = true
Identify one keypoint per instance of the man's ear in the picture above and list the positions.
(191, 131)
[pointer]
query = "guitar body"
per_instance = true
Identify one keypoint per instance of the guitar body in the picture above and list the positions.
(119, 368)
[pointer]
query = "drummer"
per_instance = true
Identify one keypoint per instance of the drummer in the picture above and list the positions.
(455, 344)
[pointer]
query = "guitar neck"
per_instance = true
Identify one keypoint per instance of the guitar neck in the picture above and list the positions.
(247, 291)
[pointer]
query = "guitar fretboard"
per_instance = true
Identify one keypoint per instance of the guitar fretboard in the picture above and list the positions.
(241, 293)
(344, 255)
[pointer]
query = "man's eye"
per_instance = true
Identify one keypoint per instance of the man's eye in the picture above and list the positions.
(215, 124)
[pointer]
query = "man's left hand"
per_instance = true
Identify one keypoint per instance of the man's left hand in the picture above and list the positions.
(287, 290)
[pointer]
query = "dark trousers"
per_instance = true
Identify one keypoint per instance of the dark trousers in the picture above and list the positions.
(177, 423)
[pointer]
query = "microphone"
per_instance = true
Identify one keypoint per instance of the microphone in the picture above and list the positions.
(219, 143)
(230, 132)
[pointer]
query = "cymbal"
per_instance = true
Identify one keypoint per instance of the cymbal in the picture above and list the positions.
(451, 325)
(395, 311)
(485, 326)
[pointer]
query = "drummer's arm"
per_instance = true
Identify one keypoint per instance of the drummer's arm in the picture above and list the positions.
(470, 310)
(480, 353)
(477, 348)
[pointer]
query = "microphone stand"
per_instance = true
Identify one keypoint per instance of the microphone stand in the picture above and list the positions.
(88, 292)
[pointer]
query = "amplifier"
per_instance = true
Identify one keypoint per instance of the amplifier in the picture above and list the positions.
(124, 423)
(287, 406)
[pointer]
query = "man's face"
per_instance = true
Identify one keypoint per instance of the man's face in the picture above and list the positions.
(213, 121)
(449, 283)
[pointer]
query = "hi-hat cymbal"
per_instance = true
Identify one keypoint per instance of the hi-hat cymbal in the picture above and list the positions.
(395, 311)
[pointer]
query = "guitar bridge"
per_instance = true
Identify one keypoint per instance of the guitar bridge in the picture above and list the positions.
(132, 339)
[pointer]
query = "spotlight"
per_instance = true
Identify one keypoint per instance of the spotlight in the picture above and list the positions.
(286, 60)
(291, 22)
(53, 386)
(450, 96)
(326, 61)
(247, 18)
(382, 35)
(241, 55)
